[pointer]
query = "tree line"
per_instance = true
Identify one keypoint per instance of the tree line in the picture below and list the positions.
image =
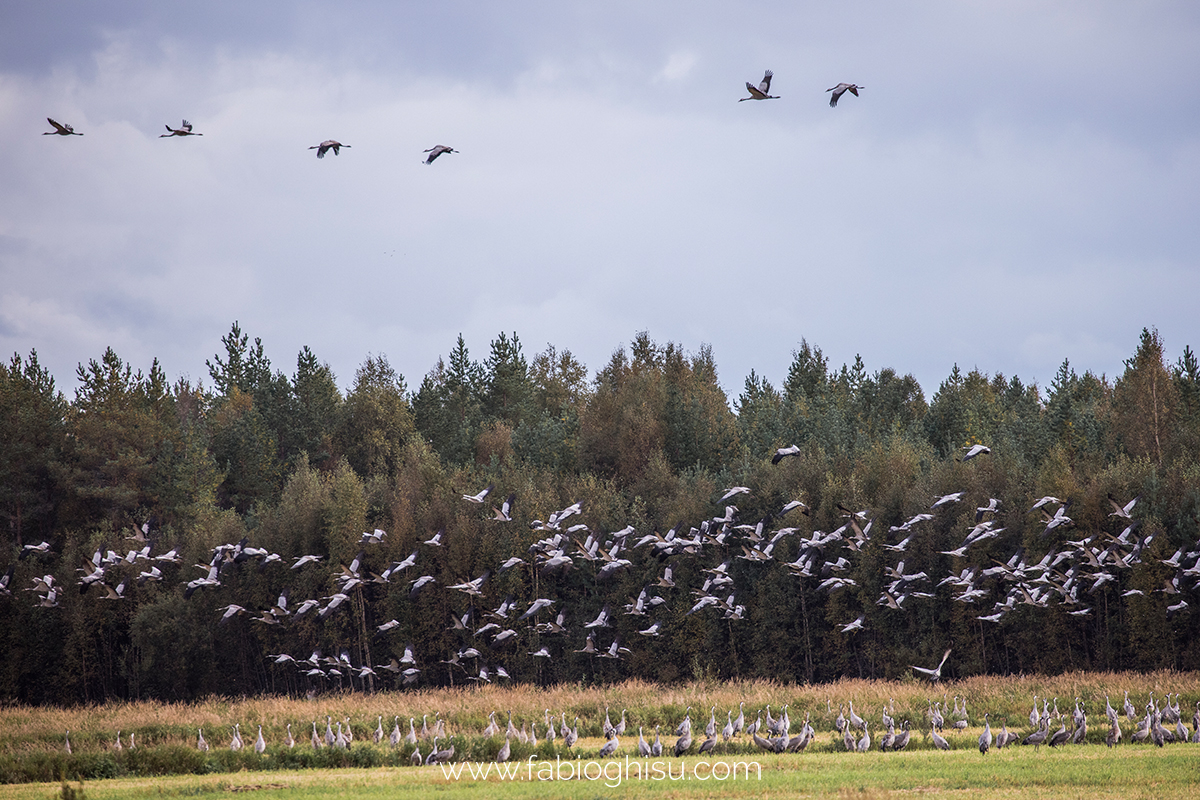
(296, 466)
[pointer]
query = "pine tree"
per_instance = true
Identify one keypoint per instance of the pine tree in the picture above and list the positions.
(317, 404)
(32, 438)
(376, 420)
(760, 415)
(120, 423)
(1146, 401)
(508, 388)
(448, 407)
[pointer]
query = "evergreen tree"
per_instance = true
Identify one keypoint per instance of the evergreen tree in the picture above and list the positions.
(622, 429)
(887, 403)
(317, 404)
(508, 388)
(700, 431)
(120, 424)
(32, 438)
(760, 416)
(243, 367)
(946, 423)
(816, 404)
(1146, 400)
(560, 381)
(448, 406)
(547, 436)
(245, 450)
(1187, 384)
(1075, 411)
(377, 419)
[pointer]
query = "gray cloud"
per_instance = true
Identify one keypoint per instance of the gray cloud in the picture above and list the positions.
(1015, 186)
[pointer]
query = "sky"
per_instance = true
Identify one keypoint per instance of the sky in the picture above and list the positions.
(1016, 184)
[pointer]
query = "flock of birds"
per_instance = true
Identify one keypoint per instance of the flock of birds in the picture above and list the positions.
(763, 90)
(1067, 575)
(1162, 723)
(760, 92)
(185, 129)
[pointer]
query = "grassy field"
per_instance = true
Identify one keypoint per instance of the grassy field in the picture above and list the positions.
(1132, 772)
(32, 753)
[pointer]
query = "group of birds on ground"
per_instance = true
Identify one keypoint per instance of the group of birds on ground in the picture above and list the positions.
(1148, 728)
(1067, 574)
(760, 92)
(850, 731)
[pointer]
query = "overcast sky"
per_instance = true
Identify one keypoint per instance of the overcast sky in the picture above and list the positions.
(1017, 184)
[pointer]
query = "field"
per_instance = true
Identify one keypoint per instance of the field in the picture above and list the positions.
(166, 761)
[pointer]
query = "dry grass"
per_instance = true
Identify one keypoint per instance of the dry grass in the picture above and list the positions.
(24, 729)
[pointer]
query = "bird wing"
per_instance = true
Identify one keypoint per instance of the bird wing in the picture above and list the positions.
(754, 92)
(765, 86)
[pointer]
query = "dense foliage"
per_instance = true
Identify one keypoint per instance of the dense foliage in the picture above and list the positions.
(297, 467)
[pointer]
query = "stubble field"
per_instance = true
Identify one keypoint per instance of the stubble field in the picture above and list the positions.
(166, 762)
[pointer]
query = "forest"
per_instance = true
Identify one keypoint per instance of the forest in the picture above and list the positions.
(154, 526)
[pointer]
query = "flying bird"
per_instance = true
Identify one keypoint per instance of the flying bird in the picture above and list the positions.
(1122, 510)
(948, 498)
(307, 559)
(934, 674)
(420, 583)
(60, 129)
(1047, 499)
(478, 498)
(791, 450)
(840, 90)
(327, 145)
(504, 512)
(975, 450)
(763, 90)
(434, 152)
(183, 130)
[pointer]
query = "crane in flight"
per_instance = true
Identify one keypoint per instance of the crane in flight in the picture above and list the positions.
(763, 92)
(60, 129)
(184, 129)
(327, 145)
(840, 90)
(934, 674)
(436, 151)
